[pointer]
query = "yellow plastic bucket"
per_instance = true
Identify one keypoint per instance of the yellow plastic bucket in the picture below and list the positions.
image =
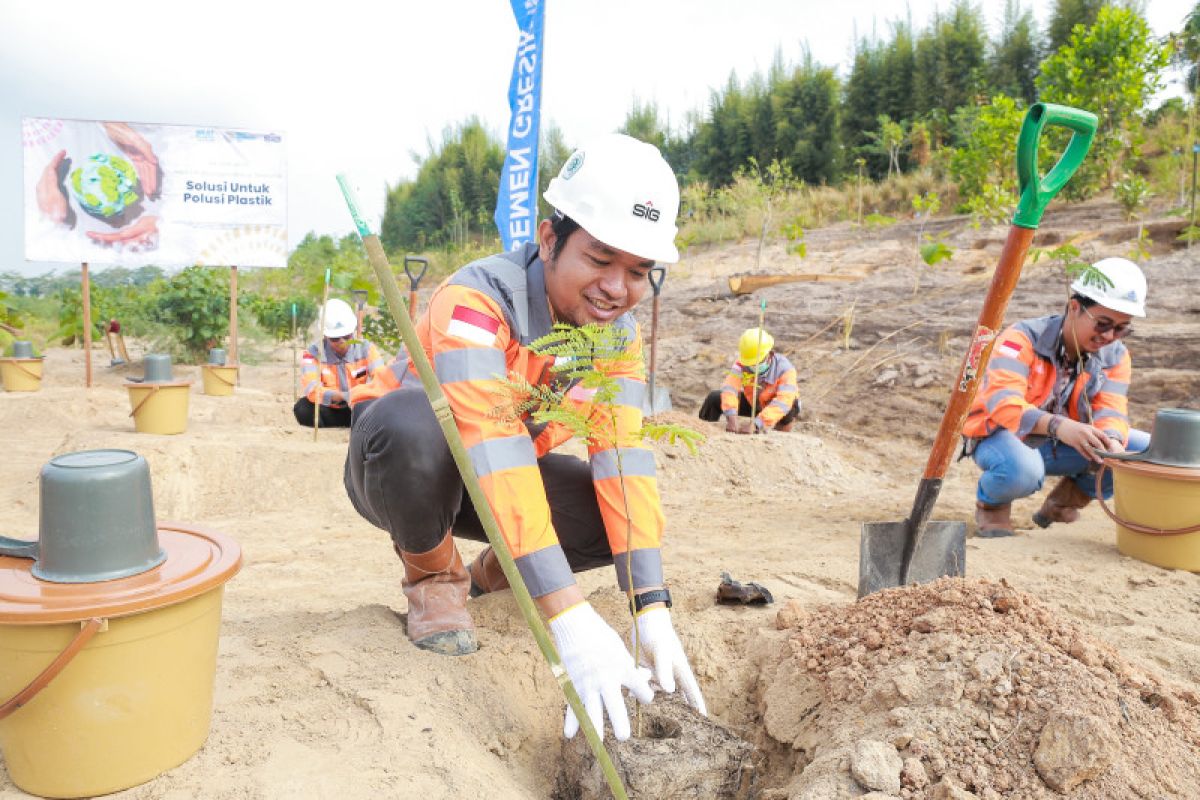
(21, 374)
(1157, 511)
(159, 407)
(219, 379)
(136, 699)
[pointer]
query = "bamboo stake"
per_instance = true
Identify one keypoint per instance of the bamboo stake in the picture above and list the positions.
(233, 314)
(445, 417)
(762, 314)
(320, 353)
(294, 389)
(86, 297)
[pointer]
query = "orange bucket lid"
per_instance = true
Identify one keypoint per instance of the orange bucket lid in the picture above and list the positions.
(197, 560)
(1151, 469)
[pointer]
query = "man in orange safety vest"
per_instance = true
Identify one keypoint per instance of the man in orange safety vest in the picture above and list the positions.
(616, 201)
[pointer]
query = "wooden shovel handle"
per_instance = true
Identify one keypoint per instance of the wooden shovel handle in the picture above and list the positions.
(1004, 280)
(89, 629)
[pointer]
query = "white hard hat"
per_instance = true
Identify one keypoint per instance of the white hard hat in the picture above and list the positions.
(340, 319)
(1127, 292)
(623, 192)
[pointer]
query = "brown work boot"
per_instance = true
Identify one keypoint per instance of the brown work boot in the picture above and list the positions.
(993, 522)
(486, 574)
(784, 427)
(436, 585)
(1062, 504)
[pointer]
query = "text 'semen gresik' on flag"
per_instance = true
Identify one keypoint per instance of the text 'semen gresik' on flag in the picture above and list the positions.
(516, 203)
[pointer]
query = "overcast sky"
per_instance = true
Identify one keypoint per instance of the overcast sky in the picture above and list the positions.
(358, 87)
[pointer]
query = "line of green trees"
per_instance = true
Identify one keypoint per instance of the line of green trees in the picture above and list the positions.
(915, 99)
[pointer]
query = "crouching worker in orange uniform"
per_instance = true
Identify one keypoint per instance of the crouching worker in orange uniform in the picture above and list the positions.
(557, 513)
(1054, 399)
(333, 366)
(777, 402)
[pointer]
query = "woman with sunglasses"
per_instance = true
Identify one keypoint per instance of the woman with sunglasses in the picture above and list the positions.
(1054, 400)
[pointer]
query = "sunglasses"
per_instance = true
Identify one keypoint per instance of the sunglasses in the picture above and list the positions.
(1104, 325)
(340, 338)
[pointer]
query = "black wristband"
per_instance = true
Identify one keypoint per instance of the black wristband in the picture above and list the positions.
(644, 599)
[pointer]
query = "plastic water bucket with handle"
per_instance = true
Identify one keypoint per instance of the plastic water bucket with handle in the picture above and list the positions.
(108, 632)
(21, 372)
(159, 403)
(106, 685)
(220, 378)
(1156, 493)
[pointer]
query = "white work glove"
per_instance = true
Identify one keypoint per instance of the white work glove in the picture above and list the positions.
(661, 649)
(599, 665)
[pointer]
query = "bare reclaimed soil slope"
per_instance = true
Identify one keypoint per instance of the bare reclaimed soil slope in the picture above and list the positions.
(319, 694)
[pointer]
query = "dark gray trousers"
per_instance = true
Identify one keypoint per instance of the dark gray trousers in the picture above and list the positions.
(401, 477)
(710, 410)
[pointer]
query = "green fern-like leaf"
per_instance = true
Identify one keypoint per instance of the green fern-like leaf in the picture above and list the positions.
(673, 434)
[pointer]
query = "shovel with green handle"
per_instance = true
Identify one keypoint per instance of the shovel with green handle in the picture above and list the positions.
(445, 417)
(917, 550)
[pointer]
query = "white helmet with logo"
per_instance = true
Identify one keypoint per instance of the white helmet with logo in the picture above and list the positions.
(1125, 290)
(623, 192)
(340, 319)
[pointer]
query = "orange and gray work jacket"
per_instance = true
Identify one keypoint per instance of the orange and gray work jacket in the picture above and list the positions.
(328, 372)
(1024, 370)
(476, 331)
(777, 389)
(390, 377)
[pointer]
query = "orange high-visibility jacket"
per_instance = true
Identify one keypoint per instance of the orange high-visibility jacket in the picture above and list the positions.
(476, 332)
(1020, 378)
(329, 371)
(391, 377)
(777, 389)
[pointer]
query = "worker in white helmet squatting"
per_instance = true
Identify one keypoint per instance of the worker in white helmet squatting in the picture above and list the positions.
(329, 369)
(761, 385)
(616, 201)
(1053, 401)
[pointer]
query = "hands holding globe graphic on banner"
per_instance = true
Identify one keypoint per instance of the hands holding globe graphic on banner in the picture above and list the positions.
(109, 187)
(138, 193)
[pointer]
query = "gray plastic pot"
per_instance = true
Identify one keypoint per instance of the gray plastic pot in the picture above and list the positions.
(97, 519)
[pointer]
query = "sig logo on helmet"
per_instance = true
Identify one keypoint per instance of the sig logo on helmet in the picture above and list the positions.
(646, 210)
(572, 166)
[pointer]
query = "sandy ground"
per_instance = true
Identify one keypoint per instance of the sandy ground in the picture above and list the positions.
(318, 693)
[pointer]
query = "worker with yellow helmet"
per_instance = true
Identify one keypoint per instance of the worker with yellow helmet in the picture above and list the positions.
(761, 384)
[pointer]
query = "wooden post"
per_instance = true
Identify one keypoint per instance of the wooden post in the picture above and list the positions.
(233, 308)
(85, 292)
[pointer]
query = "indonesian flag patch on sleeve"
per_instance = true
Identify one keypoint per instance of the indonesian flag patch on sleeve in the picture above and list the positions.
(474, 326)
(1009, 348)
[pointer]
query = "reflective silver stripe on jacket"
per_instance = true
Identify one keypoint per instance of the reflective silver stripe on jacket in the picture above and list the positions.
(470, 364)
(646, 566)
(635, 462)
(509, 452)
(545, 571)
(1010, 364)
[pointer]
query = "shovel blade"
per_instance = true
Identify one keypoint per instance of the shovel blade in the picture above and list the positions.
(941, 551)
(659, 403)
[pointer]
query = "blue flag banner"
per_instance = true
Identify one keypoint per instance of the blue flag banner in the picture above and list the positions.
(516, 202)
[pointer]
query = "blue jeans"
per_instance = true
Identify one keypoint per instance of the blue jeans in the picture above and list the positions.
(1013, 469)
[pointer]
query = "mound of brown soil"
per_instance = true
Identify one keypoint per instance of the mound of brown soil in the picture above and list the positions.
(965, 688)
